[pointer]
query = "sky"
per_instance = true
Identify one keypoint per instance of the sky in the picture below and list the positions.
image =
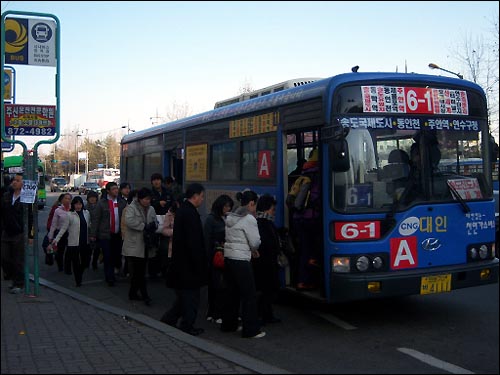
(127, 63)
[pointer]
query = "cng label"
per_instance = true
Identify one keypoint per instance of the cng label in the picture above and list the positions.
(409, 226)
(404, 253)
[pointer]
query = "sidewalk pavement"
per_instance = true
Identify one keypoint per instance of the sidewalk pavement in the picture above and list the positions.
(63, 332)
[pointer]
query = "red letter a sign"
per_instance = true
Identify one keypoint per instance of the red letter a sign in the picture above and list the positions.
(264, 165)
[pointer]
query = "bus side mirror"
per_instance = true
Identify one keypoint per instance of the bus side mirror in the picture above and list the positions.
(339, 155)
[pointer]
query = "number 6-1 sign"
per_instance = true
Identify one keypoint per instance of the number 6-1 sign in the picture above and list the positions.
(357, 230)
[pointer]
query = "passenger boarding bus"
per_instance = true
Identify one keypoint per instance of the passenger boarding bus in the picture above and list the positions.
(15, 164)
(384, 229)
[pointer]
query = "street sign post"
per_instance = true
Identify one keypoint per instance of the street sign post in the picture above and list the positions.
(32, 39)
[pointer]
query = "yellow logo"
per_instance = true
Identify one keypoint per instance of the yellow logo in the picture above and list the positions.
(21, 39)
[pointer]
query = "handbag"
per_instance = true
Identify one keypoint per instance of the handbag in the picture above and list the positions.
(218, 260)
(160, 219)
(48, 250)
(282, 260)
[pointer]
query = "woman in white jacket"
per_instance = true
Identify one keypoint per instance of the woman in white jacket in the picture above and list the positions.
(77, 224)
(242, 242)
(140, 221)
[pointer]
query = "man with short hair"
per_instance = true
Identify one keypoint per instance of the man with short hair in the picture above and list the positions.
(105, 227)
(13, 250)
(188, 270)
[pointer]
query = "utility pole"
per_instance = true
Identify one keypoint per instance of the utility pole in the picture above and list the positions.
(87, 156)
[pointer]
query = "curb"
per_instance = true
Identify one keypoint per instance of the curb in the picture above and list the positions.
(238, 358)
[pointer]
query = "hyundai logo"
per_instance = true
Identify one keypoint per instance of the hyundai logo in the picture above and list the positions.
(431, 244)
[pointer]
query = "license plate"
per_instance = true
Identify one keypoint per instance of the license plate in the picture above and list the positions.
(435, 284)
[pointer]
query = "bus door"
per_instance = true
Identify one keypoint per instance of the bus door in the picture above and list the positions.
(299, 155)
(174, 165)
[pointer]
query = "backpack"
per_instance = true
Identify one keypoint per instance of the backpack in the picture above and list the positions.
(298, 197)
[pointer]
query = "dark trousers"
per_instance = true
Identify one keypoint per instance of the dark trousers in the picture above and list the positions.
(137, 270)
(77, 256)
(185, 307)
(13, 258)
(95, 250)
(309, 233)
(238, 275)
(265, 304)
(112, 251)
(63, 262)
(216, 289)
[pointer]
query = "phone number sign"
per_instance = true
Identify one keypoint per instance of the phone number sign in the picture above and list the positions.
(30, 120)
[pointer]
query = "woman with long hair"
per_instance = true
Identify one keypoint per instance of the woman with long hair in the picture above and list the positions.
(76, 224)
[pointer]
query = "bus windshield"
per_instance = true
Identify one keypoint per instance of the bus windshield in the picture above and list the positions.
(398, 160)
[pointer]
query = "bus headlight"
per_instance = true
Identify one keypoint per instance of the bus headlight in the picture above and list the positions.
(473, 253)
(362, 263)
(483, 252)
(377, 263)
(341, 264)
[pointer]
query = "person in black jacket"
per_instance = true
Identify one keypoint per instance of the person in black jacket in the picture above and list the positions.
(13, 250)
(215, 233)
(265, 267)
(161, 200)
(188, 270)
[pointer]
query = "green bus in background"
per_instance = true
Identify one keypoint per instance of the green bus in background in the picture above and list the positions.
(15, 164)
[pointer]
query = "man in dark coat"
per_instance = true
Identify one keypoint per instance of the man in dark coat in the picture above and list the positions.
(188, 270)
(13, 246)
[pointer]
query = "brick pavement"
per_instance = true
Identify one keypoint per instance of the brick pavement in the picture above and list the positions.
(63, 332)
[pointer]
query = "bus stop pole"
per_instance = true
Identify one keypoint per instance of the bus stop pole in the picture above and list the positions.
(30, 250)
(36, 258)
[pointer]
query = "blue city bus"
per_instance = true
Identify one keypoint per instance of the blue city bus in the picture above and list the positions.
(380, 235)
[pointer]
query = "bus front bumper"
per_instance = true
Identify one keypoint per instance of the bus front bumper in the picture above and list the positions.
(349, 286)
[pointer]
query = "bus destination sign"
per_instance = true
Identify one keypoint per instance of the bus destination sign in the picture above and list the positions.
(30, 120)
(414, 100)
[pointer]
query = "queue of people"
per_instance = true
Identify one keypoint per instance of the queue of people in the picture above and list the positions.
(123, 224)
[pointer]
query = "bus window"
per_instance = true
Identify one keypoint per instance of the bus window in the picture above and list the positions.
(252, 150)
(223, 163)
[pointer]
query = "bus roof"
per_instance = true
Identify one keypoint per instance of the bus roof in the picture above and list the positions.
(15, 161)
(297, 94)
(266, 91)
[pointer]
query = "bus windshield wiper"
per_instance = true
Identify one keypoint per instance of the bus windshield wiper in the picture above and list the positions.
(457, 196)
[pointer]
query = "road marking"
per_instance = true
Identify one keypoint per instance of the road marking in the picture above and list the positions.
(432, 361)
(333, 319)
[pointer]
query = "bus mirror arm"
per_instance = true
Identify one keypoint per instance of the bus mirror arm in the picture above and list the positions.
(457, 196)
(339, 155)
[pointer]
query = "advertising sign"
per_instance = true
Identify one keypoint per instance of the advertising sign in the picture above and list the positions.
(7, 82)
(196, 162)
(30, 119)
(30, 41)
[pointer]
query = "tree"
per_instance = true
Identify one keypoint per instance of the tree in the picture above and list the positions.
(479, 57)
(176, 111)
(246, 87)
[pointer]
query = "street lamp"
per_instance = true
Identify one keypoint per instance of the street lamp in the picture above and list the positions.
(435, 66)
(128, 128)
(105, 153)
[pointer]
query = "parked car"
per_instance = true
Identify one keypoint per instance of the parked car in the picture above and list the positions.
(88, 186)
(57, 184)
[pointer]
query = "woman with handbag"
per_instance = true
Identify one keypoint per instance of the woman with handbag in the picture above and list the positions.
(76, 224)
(214, 230)
(242, 243)
(60, 214)
(140, 225)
